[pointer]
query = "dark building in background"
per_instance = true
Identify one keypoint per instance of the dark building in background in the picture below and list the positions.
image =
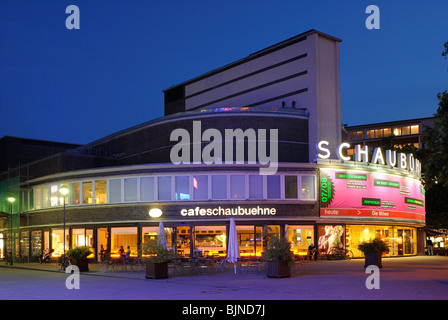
(18, 151)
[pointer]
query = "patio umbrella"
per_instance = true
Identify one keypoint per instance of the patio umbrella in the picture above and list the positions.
(233, 250)
(161, 239)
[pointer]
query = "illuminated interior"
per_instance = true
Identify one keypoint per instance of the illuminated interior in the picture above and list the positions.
(210, 240)
(152, 234)
(57, 241)
(300, 237)
(123, 237)
(400, 240)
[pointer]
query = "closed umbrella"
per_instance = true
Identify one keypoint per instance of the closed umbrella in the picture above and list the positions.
(233, 250)
(161, 239)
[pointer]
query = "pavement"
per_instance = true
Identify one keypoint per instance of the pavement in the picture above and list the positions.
(403, 278)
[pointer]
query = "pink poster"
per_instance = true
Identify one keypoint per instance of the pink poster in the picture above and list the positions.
(365, 194)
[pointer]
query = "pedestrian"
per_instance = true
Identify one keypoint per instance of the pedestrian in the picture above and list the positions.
(429, 245)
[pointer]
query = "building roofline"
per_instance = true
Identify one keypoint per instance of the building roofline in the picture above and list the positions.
(386, 123)
(41, 140)
(257, 54)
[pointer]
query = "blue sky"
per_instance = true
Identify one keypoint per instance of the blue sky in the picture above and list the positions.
(81, 85)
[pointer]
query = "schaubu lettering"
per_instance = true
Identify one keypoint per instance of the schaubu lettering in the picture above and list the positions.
(238, 211)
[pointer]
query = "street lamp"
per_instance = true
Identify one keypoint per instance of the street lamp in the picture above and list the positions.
(11, 200)
(64, 191)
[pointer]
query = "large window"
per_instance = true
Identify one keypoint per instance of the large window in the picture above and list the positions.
(57, 240)
(356, 135)
(182, 187)
(308, 188)
(209, 240)
(200, 187)
(152, 234)
(87, 193)
(121, 238)
(250, 240)
(219, 187)
(400, 240)
(256, 187)
(54, 193)
(45, 197)
(291, 187)
(100, 191)
(147, 189)
(130, 189)
(237, 187)
(37, 198)
(164, 188)
(273, 187)
(115, 190)
(74, 193)
(300, 237)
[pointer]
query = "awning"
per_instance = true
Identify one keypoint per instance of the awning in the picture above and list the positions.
(433, 232)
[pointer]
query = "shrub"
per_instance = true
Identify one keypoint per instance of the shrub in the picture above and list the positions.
(79, 252)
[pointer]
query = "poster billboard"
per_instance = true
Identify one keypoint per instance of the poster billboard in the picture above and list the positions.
(352, 193)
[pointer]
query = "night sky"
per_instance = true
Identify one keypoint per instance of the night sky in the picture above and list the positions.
(81, 85)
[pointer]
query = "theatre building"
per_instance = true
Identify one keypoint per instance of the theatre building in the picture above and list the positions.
(239, 141)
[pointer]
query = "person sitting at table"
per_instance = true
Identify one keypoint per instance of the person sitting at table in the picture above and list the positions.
(121, 251)
(128, 253)
(312, 252)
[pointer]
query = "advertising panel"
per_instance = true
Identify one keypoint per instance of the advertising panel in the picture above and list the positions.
(352, 193)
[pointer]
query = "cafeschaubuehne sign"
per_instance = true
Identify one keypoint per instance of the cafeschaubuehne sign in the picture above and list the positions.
(228, 211)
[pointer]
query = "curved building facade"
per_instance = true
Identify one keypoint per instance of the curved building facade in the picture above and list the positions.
(275, 161)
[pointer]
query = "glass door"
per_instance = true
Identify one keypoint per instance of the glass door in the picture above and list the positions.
(400, 241)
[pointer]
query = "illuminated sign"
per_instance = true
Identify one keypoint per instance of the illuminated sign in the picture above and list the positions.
(155, 213)
(353, 193)
(235, 211)
(390, 158)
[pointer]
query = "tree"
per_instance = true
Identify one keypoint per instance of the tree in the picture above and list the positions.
(434, 158)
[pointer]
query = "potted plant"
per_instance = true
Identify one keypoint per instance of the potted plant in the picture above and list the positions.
(157, 260)
(78, 257)
(278, 256)
(373, 251)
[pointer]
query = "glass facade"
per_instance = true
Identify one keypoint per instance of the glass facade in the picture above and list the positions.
(226, 187)
(400, 240)
(204, 240)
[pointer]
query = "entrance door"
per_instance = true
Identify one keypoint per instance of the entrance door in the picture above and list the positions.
(400, 241)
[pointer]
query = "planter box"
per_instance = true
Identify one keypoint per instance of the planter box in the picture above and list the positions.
(278, 269)
(373, 259)
(156, 270)
(82, 264)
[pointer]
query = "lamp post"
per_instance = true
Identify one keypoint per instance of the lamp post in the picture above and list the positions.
(64, 191)
(11, 200)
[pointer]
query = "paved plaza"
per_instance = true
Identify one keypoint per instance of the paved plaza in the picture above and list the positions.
(420, 277)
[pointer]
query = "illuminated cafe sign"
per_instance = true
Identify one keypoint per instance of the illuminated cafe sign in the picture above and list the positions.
(235, 211)
(390, 158)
